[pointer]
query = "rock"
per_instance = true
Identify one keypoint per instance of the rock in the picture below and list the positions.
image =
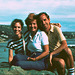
(6, 70)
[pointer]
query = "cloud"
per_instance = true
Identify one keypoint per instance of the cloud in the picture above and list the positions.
(5, 23)
(26, 4)
(10, 7)
(58, 9)
(63, 16)
(33, 5)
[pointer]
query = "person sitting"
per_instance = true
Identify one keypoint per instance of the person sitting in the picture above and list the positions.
(36, 43)
(59, 51)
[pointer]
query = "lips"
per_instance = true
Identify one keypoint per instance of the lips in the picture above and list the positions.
(33, 28)
(17, 32)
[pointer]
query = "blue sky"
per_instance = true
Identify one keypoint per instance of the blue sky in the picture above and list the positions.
(60, 11)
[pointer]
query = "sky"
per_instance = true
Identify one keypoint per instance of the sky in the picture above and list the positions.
(60, 11)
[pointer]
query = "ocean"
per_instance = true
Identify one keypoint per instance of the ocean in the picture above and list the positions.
(4, 50)
(70, 42)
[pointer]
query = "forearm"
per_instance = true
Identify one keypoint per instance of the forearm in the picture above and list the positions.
(10, 59)
(42, 55)
(59, 49)
(56, 24)
(10, 55)
(45, 53)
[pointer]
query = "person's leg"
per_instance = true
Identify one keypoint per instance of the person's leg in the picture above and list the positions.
(29, 65)
(68, 57)
(59, 64)
(19, 57)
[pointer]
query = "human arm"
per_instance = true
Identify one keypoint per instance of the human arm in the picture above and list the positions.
(10, 55)
(59, 49)
(42, 42)
(61, 40)
(60, 44)
(45, 53)
(56, 24)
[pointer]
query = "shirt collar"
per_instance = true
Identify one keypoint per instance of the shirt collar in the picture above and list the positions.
(52, 28)
(37, 33)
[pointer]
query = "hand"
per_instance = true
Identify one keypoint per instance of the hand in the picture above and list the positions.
(31, 59)
(59, 24)
(50, 59)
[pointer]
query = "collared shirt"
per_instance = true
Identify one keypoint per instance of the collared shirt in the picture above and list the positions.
(55, 37)
(16, 45)
(39, 40)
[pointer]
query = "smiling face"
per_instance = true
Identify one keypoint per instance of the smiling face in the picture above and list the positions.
(44, 22)
(17, 29)
(33, 26)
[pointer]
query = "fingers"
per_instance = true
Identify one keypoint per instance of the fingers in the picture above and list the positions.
(59, 24)
(51, 59)
(50, 62)
(31, 59)
(28, 58)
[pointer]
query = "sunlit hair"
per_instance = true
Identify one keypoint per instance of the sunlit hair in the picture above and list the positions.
(15, 21)
(31, 17)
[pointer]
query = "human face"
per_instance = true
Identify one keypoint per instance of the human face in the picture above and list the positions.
(17, 28)
(33, 26)
(44, 22)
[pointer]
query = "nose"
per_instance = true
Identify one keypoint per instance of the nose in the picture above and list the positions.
(43, 22)
(16, 28)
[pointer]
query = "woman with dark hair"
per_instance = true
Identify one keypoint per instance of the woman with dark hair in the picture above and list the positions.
(16, 42)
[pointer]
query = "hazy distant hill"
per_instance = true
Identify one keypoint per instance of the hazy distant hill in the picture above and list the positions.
(6, 29)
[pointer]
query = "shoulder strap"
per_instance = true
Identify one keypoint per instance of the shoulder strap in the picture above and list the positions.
(23, 44)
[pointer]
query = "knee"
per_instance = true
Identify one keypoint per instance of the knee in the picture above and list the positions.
(61, 63)
(69, 52)
(16, 57)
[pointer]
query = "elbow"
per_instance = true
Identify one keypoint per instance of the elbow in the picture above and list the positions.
(47, 52)
(10, 59)
(65, 46)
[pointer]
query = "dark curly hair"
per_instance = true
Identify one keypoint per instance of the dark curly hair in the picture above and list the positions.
(15, 21)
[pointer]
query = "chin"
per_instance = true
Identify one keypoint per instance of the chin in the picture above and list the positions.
(33, 31)
(16, 33)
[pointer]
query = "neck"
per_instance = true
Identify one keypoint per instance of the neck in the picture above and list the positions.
(47, 30)
(19, 36)
(33, 34)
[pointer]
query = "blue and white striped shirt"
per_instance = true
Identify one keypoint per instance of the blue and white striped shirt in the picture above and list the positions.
(17, 44)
